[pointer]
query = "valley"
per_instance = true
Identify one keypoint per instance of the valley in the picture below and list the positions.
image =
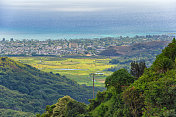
(73, 68)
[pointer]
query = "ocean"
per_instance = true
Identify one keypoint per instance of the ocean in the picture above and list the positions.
(85, 25)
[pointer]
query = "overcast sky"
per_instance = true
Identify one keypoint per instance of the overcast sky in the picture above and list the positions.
(86, 5)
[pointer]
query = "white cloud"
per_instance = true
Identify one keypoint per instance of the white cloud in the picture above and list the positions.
(77, 9)
(84, 5)
(53, 5)
(62, 9)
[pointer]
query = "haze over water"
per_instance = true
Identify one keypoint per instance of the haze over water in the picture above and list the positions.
(59, 19)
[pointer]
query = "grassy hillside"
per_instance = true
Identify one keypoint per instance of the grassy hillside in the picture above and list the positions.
(25, 88)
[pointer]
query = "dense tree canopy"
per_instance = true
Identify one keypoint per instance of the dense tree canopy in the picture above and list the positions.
(156, 88)
(118, 79)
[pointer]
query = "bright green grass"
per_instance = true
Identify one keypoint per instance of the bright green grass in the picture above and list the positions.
(86, 66)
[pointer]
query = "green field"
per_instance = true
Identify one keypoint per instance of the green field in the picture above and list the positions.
(73, 68)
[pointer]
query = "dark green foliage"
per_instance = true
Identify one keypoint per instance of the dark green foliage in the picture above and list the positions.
(112, 69)
(100, 98)
(109, 106)
(25, 88)
(162, 64)
(109, 103)
(173, 41)
(161, 94)
(114, 61)
(134, 98)
(166, 60)
(137, 68)
(154, 92)
(118, 79)
(170, 51)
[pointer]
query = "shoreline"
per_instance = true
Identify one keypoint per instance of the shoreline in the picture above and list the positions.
(57, 36)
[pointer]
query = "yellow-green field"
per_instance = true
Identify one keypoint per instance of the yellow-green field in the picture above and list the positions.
(73, 68)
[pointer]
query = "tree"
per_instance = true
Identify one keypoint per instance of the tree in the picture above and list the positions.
(170, 50)
(135, 100)
(65, 107)
(137, 68)
(173, 41)
(162, 64)
(118, 79)
(165, 61)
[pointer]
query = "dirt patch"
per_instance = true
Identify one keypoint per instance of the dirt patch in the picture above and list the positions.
(101, 80)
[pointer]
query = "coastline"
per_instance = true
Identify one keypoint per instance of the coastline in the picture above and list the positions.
(67, 36)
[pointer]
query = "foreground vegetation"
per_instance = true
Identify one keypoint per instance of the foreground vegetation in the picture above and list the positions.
(151, 95)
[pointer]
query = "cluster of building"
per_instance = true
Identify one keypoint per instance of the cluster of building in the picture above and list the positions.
(88, 47)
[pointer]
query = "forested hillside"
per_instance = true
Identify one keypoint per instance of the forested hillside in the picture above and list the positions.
(151, 95)
(25, 88)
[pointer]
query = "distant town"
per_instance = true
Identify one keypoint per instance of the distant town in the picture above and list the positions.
(62, 47)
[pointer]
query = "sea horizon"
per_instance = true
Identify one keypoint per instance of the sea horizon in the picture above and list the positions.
(67, 36)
